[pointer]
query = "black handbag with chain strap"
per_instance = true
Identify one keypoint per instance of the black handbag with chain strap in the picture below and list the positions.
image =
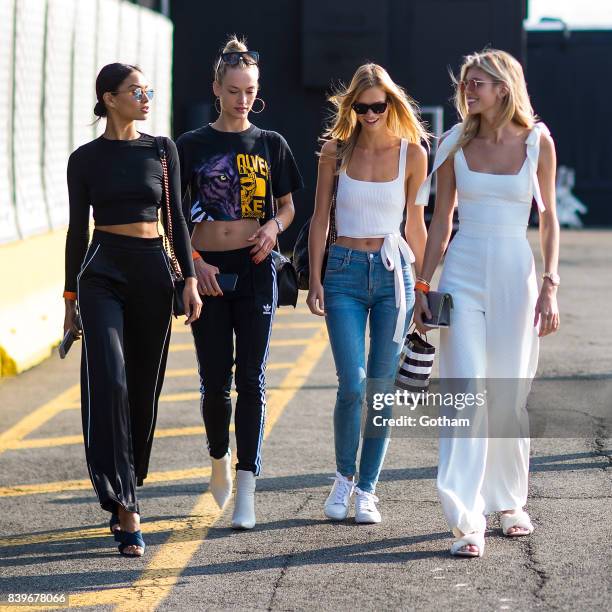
(286, 276)
(178, 304)
(300, 250)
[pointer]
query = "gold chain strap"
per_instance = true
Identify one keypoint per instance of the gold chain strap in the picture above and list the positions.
(169, 234)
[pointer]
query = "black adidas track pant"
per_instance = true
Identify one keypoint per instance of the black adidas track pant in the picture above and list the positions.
(248, 313)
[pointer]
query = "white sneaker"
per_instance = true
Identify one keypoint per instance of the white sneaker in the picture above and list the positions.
(244, 504)
(221, 479)
(365, 507)
(338, 501)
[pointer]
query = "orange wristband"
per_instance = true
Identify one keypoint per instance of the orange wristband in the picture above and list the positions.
(420, 286)
(70, 295)
(195, 255)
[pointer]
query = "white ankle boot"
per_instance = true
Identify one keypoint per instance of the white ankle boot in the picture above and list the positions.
(221, 479)
(244, 504)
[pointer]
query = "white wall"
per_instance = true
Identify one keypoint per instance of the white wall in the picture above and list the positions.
(50, 54)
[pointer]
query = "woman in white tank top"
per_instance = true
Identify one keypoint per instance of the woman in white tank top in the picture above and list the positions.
(496, 161)
(368, 273)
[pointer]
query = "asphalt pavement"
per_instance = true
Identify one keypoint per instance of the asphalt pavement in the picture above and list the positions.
(54, 537)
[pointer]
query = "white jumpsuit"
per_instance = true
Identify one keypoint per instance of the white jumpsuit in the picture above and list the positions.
(489, 270)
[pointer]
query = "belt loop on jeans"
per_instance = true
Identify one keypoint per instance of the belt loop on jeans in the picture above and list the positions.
(346, 258)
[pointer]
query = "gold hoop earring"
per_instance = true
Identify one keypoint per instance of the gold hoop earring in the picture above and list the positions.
(263, 105)
(215, 105)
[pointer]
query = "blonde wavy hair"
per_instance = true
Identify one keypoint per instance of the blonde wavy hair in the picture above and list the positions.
(502, 68)
(403, 116)
(236, 44)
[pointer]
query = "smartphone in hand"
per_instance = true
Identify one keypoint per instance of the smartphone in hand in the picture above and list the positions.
(68, 340)
(227, 281)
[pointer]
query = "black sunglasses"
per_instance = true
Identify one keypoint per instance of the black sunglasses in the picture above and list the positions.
(378, 107)
(250, 58)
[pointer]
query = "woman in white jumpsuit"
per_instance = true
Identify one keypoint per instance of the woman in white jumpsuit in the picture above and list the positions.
(495, 162)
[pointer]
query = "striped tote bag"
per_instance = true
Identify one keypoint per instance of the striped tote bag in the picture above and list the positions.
(416, 361)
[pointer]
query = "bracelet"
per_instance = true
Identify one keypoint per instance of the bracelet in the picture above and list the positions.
(279, 223)
(420, 279)
(421, 286)
(70, 295)
(555, 279)
(195, 255)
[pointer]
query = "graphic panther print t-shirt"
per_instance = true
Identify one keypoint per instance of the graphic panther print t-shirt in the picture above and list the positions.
(227, 174)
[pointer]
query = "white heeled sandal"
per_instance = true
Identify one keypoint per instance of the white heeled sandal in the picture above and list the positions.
(518, 519)
(475, 538)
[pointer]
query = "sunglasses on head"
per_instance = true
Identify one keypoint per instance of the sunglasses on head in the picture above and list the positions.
(137, 93)
(250, 58)
(378, 107)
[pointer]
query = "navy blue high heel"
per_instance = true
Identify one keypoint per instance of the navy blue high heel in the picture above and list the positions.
(114, 520)
(125, 539)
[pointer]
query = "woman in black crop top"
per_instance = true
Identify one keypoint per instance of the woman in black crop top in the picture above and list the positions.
(232, 170)
(123, 286)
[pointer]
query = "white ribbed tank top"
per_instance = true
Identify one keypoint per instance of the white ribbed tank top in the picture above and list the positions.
(370, 209)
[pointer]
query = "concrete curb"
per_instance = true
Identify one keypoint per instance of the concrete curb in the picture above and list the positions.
(31, 304)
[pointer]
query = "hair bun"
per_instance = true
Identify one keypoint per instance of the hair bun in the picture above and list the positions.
(100, 109)
(235, 44)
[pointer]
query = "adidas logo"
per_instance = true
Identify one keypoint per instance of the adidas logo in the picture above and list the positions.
(267, 309)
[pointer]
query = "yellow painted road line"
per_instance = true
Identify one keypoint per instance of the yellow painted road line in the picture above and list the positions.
(13, 438)
(80, 485)
(186, 396)
(299, 325)
(296, 378)
(63, 535)
(181, 372)
(46, 442)
(188, 346)
(170, 560)
(38, 417)
(291, 342)
(280, 312)
(300, 310)
(174, 432)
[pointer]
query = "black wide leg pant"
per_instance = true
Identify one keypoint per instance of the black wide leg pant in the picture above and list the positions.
(124, 293)
(248, 313)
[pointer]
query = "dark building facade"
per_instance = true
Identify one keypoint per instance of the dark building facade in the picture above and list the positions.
(568, 76)
(305, 45)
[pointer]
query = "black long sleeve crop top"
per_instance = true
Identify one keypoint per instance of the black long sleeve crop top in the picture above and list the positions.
(123, 181)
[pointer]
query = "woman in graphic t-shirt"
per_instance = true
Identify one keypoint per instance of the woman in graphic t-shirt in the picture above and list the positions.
(232, 170)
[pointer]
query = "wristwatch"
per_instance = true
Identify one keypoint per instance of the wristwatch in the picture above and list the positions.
(555, 279)
(279, 223)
